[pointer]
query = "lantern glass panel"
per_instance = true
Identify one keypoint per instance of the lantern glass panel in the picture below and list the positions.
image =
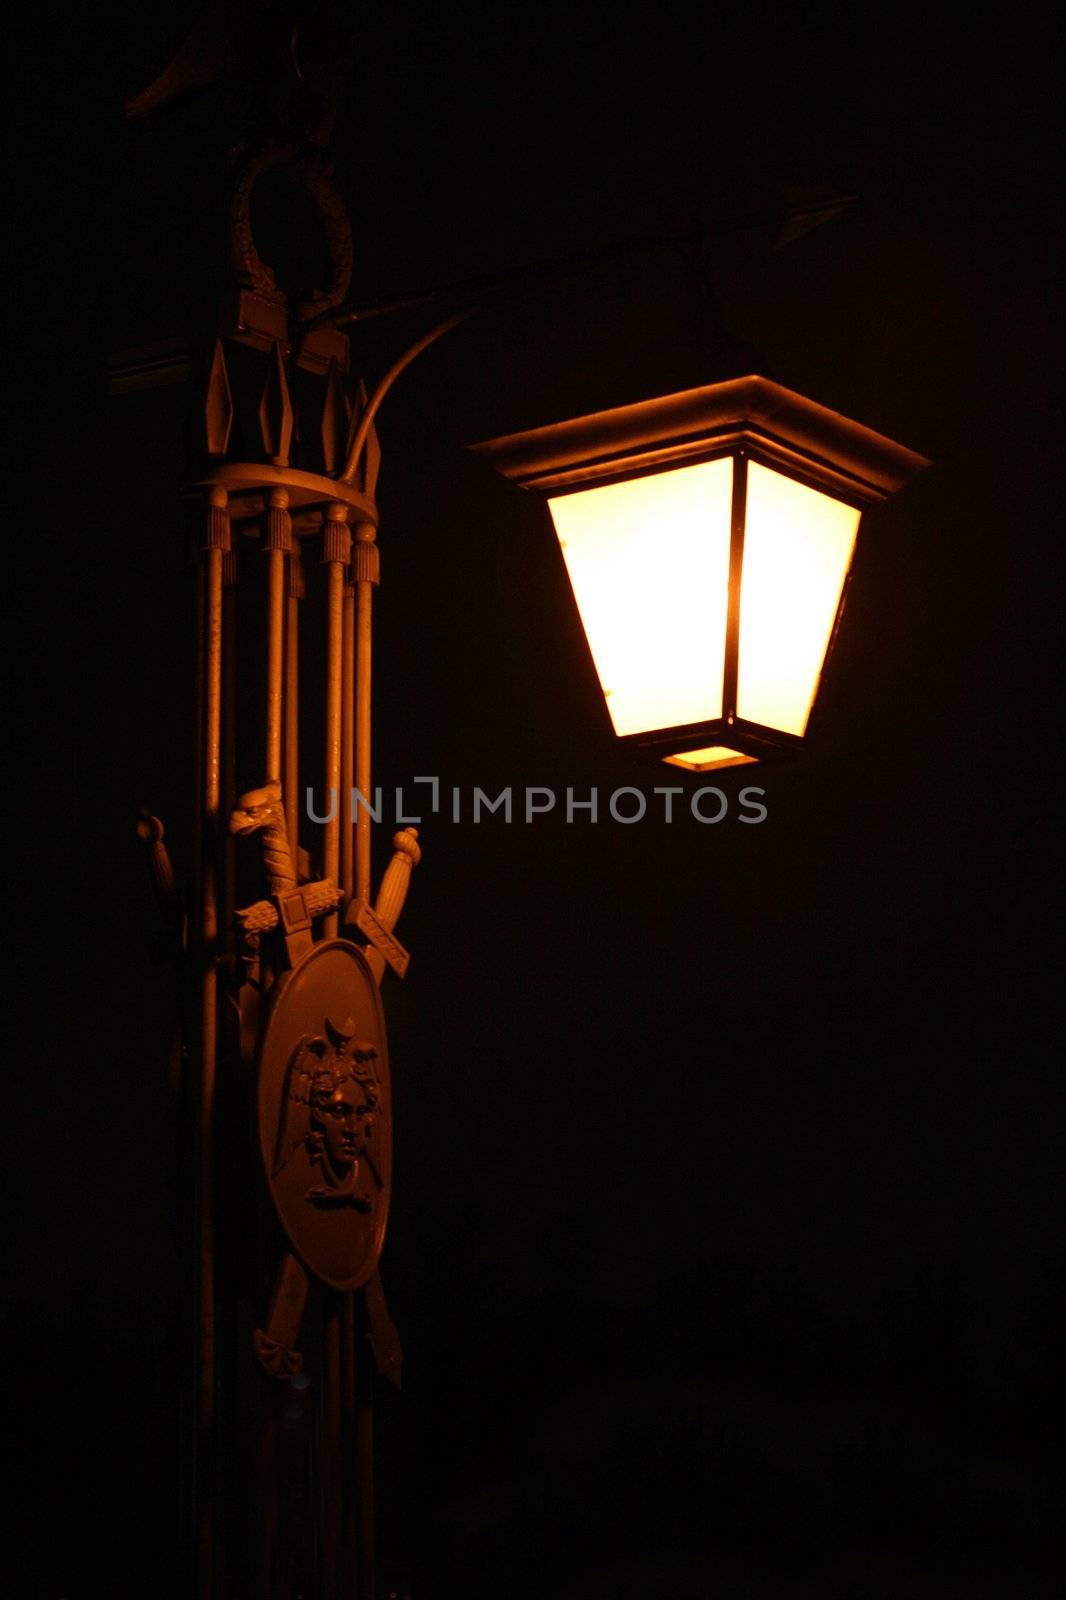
(649, 563)
(798, 545)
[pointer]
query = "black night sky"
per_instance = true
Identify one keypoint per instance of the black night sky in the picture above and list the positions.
(726, 1240)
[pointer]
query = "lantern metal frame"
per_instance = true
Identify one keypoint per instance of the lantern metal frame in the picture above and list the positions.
(748, 419)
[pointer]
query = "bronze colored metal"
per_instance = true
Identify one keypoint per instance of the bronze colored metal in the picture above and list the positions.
(261, 811)
(150, 833)
(216, 542)
(376, 925)
(292, 699)
(347, 740)
(382, 1333)
(275, 411)
(370, 465)
(366, 421)
(336, 549)
(218, 405)
(771, 423)
(737, 519)
(250, 484)
(261, 323)
(336, 420)
(275, 1345)
(365, 572)
(325, 1113)
(312, 170)
(250, 487)
(293, 906)
(230, 576)
(306, 1033)
(277, 542)
(318, 900)
(397, 877)
(386, 950)
(329, 1155)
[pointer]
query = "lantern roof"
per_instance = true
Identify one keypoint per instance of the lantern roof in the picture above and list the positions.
(770, 423)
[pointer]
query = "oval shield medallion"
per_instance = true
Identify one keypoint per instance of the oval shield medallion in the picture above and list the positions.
(325, 1113)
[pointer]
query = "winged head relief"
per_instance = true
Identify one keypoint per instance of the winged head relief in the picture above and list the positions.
(331, 1100)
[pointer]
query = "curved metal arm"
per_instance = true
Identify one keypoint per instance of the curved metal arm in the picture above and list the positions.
(791, 219)
(362, 433)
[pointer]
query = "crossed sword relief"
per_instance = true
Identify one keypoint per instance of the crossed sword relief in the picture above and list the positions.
(291, 909)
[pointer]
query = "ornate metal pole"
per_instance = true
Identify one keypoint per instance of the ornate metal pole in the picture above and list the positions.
(348, 737)
(277, 544)
(216, 542)
(292, 699)
(309, 1048)
(230, 578)
(366, 572)
(336, 548)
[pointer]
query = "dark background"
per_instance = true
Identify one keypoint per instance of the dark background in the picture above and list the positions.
(726, 1241)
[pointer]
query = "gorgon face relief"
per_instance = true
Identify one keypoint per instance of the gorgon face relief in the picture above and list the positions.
(331, 1101)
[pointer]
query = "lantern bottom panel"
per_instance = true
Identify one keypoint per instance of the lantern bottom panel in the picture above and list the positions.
(709, 746)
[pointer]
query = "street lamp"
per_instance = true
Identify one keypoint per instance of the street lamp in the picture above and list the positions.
(708, 537)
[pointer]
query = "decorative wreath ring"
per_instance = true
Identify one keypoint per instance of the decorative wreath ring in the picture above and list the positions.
(314, 172)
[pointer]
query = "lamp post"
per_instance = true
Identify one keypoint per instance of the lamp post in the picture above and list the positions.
(708, 537)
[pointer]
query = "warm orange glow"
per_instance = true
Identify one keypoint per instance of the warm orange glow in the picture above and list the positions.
(715, 755)
(797, 550)
(649, 564)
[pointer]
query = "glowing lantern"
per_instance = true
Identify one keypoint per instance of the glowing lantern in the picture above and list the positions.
(708, 536)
